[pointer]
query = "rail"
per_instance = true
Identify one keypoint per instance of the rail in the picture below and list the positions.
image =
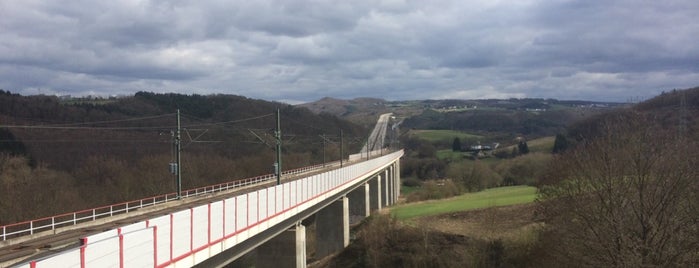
(31, 227)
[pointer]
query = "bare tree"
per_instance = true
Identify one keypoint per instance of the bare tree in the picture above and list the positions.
(627, 198)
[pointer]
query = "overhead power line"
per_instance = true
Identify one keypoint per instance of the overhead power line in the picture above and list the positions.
(86, 128)
(226, 122)
(304, 124)
(115, 121)
(82, 125)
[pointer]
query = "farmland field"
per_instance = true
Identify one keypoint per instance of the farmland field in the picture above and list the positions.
(493, 197)
(443, 135)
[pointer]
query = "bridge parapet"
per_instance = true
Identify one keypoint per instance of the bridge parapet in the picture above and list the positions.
(21, 231)
(191, 236)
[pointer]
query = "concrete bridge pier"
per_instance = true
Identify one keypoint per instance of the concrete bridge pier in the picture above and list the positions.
(396, 176)
(286, 250)
(359, 200)
(385, 189)
(332, 228)
(375, 194)
(391, 185)
(396, 185)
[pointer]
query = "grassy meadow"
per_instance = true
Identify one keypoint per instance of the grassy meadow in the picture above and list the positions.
(502, 196)
(443, 135)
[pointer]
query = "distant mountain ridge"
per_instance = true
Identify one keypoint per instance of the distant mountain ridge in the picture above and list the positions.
(342, 107)
(359, 110)
(366, 110)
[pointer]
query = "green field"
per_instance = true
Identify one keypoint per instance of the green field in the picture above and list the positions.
(502, 196)
(443, 135)
(542, 145)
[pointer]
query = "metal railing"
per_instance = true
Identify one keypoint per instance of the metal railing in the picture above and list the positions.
(31, 227)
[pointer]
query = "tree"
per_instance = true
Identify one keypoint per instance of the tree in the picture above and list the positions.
(456, 145)
(627, 198)
(560, 144)
(426, 150)
(474, 175)
(522, 147)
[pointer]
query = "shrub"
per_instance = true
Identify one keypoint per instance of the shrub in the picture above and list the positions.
(435, 189)
(524, 170)
(412, 182)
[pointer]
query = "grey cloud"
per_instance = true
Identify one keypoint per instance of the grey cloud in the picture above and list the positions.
(296, 18)
(393, 49)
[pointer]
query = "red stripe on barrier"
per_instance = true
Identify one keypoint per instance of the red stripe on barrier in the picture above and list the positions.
(82, 254)
(121, 251)
(32, 264)
(155, 245)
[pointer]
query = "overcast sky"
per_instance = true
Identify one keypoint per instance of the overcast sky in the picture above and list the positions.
(299, 51)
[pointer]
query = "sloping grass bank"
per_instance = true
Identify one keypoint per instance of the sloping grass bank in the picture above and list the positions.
(502, 196)
(443, 135)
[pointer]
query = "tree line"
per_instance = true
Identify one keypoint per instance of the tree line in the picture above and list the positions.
(60, 169)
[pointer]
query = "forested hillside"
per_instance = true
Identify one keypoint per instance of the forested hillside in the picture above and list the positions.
(65, 154)
(625, 195)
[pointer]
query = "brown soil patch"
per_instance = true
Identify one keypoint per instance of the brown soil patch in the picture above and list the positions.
(491, 237)
(489, 223)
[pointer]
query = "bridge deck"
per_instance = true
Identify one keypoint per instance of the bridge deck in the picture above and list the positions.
(50, 242)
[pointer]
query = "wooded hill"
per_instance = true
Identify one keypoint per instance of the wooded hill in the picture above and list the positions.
(626, 194)
(56, 154)
(147, 120)
(675, 111)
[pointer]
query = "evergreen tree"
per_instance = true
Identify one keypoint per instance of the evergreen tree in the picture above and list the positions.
(523, 147)
(456, 145)
(561, 144)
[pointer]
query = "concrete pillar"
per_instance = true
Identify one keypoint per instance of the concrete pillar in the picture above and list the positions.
(287, 249)
(394, 197)
(389, 187)
(384, 192)
(375, 194)
(392, 191)
(332, 228)
(359, 203)
(398, 182)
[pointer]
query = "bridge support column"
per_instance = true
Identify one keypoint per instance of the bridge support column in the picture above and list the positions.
(359, 203)
(332, 228)
(375, 194)
(391, 186)
(287, 249)
(396, 176)
(384, 189)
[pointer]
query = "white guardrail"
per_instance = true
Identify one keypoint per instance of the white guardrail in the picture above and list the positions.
(188, 237)
(31, 227)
